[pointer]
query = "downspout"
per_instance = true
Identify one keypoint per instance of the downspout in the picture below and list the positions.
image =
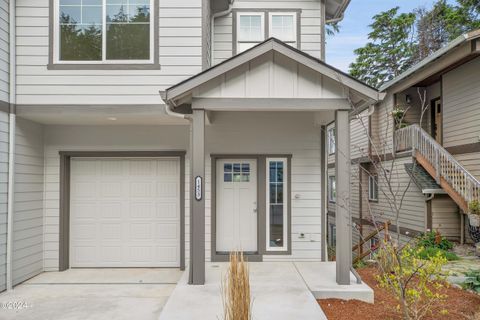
(212, 29)
(11, 141)
(169, 108)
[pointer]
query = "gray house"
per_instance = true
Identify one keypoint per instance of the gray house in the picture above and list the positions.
(161, 133)
(444, 142)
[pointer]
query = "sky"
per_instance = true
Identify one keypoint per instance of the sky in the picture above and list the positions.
(354, 27)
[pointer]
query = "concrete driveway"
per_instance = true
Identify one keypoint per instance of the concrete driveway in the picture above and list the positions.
(96, 294)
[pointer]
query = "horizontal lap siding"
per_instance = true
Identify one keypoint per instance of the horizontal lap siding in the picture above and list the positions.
(471, 162)
(359, 131)
(61, 138)
(412, 211)
(180, 50)
(3, 197)
(4, 51)
(309, 26)
(461, 100)
(28, 203)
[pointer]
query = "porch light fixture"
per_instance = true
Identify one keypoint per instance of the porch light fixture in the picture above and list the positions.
(112, 118)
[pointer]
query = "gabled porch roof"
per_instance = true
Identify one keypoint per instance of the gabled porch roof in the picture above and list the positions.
(272, 76)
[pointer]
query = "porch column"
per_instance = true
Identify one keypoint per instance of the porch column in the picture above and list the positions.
(197, 199)
(342, 205)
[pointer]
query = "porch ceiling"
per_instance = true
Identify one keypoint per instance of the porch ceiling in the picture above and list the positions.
(271, 76)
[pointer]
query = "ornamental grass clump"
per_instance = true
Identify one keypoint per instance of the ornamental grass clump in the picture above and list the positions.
(237, 302)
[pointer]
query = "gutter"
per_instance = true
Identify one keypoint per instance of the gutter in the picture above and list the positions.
(342, 9)
(11, 141)
(170, 108)
(212, 29)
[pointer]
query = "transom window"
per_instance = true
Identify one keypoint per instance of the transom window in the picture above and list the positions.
(236, 172)
(277, 213)
(251, 28)
(104, 31)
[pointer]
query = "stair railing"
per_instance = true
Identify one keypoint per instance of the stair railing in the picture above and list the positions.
(417, 140)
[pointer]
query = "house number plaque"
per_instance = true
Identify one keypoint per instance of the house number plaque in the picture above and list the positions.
(198, 188)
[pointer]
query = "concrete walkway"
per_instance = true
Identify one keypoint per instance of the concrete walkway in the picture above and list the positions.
(279, 292)
(92, 294)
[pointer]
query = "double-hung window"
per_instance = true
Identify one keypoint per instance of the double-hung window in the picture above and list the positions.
(277, 204)
(373, 187)
(255, 27)
(104, 31)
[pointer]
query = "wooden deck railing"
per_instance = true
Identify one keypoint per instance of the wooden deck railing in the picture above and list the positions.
(358, 247)
(441, 165)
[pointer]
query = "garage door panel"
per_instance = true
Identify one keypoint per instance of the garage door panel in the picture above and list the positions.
(127, 214)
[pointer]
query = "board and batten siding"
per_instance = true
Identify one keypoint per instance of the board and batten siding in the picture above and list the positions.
(4, 126)
(310, 22)
(461, 104)
(27, 235)
(180, 51)
(446, 217)
(4, 51)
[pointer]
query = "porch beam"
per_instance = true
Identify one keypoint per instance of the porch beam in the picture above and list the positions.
(271, 104)
(342, 206)
(197, 199)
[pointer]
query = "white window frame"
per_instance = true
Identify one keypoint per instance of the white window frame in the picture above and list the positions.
(331, 197)
(293, 42)
(331, 143)
(373, 187)
(56, 35)
(333, 233)
(286, 193)
(237, 27)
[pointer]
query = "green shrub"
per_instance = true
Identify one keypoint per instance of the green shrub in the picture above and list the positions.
(474, 207)
(473, 281)
(430, 252)
(434, 239)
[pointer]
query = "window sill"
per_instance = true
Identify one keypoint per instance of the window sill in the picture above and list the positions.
(103, 66)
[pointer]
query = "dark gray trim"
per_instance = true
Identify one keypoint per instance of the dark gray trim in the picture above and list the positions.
(206, 34)
(64, 225)
(102, 66)
(464, 148)
(266, 12)
(261, 160)
(392, 228)
(323, 190)
(429, 223)
(5, 107)
(197, 206)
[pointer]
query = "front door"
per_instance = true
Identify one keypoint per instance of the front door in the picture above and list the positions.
(236, 205)
(437, 120)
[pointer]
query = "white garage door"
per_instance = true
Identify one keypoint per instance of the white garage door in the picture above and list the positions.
(125, 212)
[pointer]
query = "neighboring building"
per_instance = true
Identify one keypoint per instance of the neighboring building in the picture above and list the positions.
(98, 171)
(447, 147)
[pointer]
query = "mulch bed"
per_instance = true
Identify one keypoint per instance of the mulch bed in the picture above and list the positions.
(460, 304)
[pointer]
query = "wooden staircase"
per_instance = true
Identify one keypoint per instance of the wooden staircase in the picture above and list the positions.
(457, 181)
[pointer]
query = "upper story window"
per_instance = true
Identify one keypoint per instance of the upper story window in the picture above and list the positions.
(104, 31)
(331, 140)
(254, 27)
(332, 189)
